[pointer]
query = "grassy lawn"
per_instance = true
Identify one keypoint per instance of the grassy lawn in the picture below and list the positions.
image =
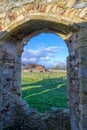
(44, 90)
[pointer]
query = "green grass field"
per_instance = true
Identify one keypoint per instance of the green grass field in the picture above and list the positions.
(44, 90)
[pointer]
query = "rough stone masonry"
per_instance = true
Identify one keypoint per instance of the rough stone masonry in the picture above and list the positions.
(19, 21)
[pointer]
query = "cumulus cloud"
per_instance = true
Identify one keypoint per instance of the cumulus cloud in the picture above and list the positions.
(41, 56)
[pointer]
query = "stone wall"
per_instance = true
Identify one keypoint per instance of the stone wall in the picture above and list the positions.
(21, 20)
(83, 75)
(73, 82)
(30, 119)
(10, 87)
(15, 113)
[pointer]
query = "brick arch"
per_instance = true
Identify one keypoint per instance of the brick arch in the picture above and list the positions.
(29, 26)
(60, 12)
(22, 33)
(21, 37)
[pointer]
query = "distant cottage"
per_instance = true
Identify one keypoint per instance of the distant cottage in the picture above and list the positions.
(35, 68)
(40, 68)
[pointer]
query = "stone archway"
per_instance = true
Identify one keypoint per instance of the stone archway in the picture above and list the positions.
(12, 70)
(71, 25)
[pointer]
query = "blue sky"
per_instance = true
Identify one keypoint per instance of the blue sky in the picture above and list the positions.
(47, 49)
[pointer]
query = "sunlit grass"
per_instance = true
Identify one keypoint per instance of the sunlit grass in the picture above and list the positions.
(44, 90)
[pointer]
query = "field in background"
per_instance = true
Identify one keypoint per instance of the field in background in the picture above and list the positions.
(44, 90)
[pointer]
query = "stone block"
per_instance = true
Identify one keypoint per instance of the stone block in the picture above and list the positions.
(1, 63)
(48, 8)
(83, 109)
(83, 98)
(81, 43)
(84, 128)
(82, 72)
(17, 83)
(2, 15)
(74, 124)
(71, 3)
(83, 12)
(72, 13)
(17, 76)
(82, 35)
(17, 67)
(83, 60)
(83, 84)
(81, 127)
(20, 18)
(84, 121)
(82, 51)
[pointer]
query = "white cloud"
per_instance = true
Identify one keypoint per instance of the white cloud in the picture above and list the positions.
(42, 55)
(46, 58)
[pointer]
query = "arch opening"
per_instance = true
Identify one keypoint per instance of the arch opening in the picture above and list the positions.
(44, 72)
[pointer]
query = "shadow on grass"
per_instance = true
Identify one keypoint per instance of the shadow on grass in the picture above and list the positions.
(48, 82)
(46, 93)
